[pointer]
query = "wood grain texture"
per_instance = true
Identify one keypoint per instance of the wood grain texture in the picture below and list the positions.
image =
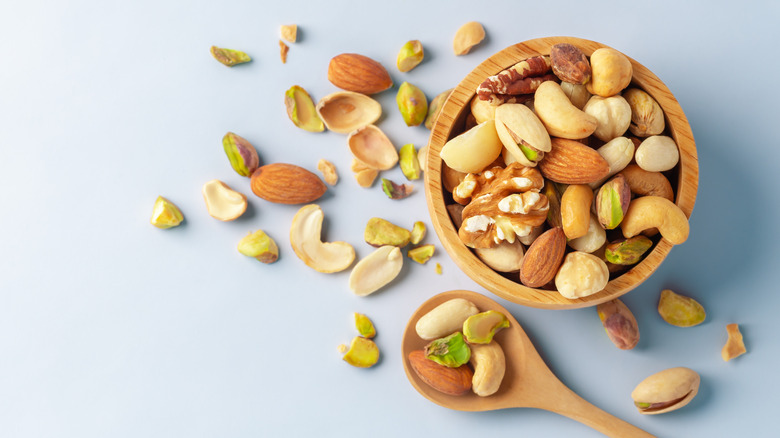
(450, 123)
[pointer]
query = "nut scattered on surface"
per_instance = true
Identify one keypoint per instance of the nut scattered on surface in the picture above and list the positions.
(284, 183)
(372, 148)
(434, 108)
(305, 238)
(376, 270)
(358, 73)
(364, 326)
(328, 170)
(347, 111)
(412, 104)
(666, 391)
(301, 109)
(222, 202)
(242, 155)
(260, 246)
(396, 191)
(679, 310)
(289, 32)
(467, 36)
(283, 49)
(735, 345)
(410, 55)
(229, 57)
(619, 323)
(362, 353)
(438, 268)
(410, 165)
(418, 232)
(421, 254)
(381, 232)
(165, 214)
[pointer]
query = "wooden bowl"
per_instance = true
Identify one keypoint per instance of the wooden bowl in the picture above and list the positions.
(451, 122)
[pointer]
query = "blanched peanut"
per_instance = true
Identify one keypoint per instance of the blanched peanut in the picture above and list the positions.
(445, 319)
(657, 153)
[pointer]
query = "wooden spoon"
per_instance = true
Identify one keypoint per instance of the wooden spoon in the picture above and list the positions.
(528, 382)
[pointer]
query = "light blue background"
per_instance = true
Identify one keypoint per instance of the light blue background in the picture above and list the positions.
(112, 328)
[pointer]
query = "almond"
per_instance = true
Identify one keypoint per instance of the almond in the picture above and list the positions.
(452, 381)
(358, 73)
(571, 162)
(286, 184)
(543, 258)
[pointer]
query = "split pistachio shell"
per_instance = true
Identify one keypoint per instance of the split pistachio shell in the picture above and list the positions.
(410, 165)
(242, 155)
(489, 365)
(346, 111)
(522, 133)
(372, 147)
(412, 104)
(364, 326)
(480, 328)
(229, 57)
(410, 55)
(165, 214)
(260, 246)
(446, 318)
(376, 270)
(222, 202)
(666, 391)
(434, 108)
(301, 110)
(473, 150)
(679, 310)
(362, 353)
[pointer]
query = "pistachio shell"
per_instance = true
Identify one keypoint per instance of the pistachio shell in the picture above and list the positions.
(372, 147)
(666, 390)
(522, 133)
(380, 232)
(301, 110)
(346, 111)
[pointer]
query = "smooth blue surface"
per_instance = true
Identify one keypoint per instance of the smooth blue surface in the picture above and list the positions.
(112, 328)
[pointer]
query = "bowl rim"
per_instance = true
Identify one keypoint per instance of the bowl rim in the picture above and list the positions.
(458, 101)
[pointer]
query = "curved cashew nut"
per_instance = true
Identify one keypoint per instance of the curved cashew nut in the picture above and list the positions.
(656, 212)
(559, 115)
(489, 368)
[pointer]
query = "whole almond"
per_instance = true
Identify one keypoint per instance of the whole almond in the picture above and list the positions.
(571, 162)
(452, 381)
(284, 183)
(358, 73)
(543, 258)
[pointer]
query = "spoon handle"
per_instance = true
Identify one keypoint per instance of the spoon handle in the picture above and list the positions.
(566, 402)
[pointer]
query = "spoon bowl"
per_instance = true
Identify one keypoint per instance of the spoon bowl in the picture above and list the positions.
(527, 383)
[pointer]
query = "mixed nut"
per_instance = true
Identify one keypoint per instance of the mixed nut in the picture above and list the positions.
(543, 159)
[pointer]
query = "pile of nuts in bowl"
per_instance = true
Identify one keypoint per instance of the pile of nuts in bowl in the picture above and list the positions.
(554, 149)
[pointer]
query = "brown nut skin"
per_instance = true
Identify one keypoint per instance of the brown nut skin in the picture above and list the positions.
(358, 73)
(452, 381)
(570, 64)
(644, 183)
(619, 323)
(543, 258)
(575, 210)
(284, 183)
(571, 162)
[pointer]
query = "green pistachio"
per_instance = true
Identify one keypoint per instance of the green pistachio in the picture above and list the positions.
(451, 351)
(412, 103)
(301, 110)
(229, 57)
(396, 191)
(260, 246)
(362, 353)
(612, 201)
(380, 232)
(242, 155)
(418, 232)
(480, 328)
(421, 254)
(165, 214)
(410, 55)
(679, 310)
(364, 326)
(407, 159)
(627, 251)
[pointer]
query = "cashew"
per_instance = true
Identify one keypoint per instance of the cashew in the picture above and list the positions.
(575, 210)
(305, 235)
(656, 212)
(489, 367)
(222, 202)
(445, 319)
(559, 115)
